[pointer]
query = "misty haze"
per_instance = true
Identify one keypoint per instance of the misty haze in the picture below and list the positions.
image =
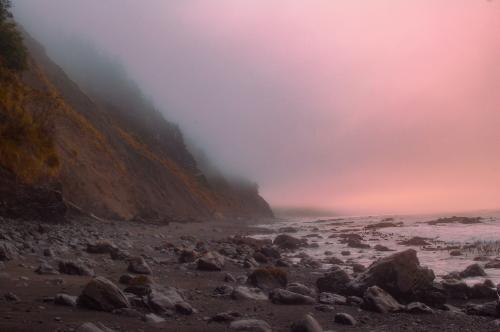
(249, 165)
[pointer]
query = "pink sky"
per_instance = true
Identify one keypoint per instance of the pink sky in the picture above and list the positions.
(360, 106)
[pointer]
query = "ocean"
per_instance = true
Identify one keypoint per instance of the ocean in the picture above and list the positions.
(471, 240)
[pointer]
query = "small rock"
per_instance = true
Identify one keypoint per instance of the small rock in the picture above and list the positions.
(46, 269)
(225, 317)
(246, 293)
(11, 297)
(282, 296)
(250, 325)
(65, 299)
(138, 265)
(74, 268)
(418, 308)
(153, 319)
(330, 298)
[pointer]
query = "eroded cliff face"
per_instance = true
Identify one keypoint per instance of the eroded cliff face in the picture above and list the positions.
(116, 161)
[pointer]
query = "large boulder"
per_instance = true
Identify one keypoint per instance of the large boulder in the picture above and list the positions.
(285, 241)
(399, 274)
(335, 281)
(101, 294)
(376, 299)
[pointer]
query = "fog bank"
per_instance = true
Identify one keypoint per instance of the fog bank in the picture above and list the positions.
(361, 107)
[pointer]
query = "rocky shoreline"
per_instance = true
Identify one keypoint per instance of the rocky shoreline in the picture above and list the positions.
(124, 276)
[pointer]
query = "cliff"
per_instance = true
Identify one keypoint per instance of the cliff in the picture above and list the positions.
(113, 158)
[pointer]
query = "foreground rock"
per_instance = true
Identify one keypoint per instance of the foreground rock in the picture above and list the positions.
(250, 325)
(399, 274)
(101, 294)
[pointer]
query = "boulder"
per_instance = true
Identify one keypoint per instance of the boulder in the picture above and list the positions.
(249, 325)
(282, 296)
(473, 270)
(400, 274)
(344, 319)
(211, 261)
(285, 241)
(101, 294)
(376, 299)
(138, 265)
(335, 281)
(307, 324)
(268, 278)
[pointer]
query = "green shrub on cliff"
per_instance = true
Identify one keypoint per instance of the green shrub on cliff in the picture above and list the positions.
(13, 54)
